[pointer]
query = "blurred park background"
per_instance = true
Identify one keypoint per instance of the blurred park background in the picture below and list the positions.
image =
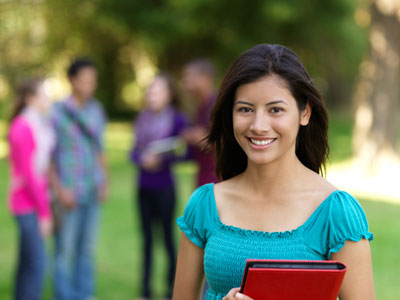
(350, 47)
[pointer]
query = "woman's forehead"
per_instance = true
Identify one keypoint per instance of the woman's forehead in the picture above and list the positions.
(267, 87)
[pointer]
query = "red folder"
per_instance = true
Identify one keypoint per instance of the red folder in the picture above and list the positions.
(292, 280)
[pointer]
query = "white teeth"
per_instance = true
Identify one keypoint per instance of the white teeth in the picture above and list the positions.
(262, 142)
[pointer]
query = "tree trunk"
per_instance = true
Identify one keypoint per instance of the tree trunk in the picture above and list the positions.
(377, 97)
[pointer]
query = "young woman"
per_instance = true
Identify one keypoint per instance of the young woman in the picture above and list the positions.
(157, 131)
(269, 130)
(31, 141)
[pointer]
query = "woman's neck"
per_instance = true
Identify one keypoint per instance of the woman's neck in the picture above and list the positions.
(273, 178)
(32, 109)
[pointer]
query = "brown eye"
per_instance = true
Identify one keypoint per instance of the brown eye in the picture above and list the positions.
(276, 110)
(245, 109)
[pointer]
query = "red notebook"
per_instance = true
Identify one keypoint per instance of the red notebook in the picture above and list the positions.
(292, 280)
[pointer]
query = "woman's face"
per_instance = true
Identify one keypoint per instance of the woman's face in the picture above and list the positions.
(40, 99)
(266, 119)
(158, 95)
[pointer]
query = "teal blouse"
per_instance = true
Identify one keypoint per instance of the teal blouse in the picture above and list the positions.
(337, 219)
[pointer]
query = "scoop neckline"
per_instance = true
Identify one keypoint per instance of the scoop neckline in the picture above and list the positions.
(268, 233)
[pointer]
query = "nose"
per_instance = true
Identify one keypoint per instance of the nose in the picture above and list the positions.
(260, 123)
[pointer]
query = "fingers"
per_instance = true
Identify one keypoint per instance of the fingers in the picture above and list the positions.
(242, 297)
(45, 227)
(231, 294)
(151, 162)
(235, 295)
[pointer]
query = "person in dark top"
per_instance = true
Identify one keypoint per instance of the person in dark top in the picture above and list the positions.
(198, 81)
(157, 135)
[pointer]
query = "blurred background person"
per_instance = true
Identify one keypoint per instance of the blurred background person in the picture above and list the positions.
(157, 135)
(198, 81)
(79, 179)
(31, 141)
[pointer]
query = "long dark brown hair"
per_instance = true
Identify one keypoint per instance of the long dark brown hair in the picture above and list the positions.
(25, 88)
(261, 60)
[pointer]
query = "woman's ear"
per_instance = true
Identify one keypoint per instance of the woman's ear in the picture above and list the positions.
(305, 115)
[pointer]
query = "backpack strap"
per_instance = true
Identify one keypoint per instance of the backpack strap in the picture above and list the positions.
(81, 125)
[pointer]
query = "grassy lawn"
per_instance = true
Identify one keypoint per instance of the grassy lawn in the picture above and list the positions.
(119, 245)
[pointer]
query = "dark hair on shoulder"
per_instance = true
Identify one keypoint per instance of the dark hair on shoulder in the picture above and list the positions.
(25, 88)
(78, 64)
(203, 66)
(259, 61)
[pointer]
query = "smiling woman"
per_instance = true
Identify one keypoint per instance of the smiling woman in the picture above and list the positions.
(269, 130)
(265, 115)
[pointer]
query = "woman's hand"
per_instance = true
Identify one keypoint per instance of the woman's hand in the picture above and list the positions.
(45, 227)
(151, 162)
(234, 295)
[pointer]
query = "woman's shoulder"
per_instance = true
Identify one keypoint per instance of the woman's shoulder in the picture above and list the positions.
(19, 121)
(325, 191)
(225, 187)
(199, 216)
(205, 191)
(339, 218)
(337, 207)
(314, 187)
(19, 128)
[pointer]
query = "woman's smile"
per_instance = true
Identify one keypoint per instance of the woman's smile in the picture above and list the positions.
(261, 143)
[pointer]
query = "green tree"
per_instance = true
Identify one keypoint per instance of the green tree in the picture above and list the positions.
(119, 34)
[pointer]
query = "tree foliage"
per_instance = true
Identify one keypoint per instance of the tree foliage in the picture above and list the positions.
(170, 32)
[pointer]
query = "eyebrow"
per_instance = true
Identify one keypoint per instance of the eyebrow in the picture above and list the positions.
(268, 104)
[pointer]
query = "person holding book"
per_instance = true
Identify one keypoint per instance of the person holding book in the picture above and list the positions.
(31, 141)
(269, 130)
(157, 136)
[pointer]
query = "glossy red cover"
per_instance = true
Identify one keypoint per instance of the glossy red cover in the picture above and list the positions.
(292, 284)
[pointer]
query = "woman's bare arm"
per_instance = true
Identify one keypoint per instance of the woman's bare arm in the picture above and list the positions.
(358, 283)
(189, 271)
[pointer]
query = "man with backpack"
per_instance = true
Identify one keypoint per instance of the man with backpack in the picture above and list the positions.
(79, 182)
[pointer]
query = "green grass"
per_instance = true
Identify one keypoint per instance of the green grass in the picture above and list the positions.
(119, 244)
(384, 222)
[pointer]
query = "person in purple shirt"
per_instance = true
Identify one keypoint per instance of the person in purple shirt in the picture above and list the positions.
(198, 81)
(157, 132)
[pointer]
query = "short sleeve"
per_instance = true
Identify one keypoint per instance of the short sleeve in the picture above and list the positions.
(339, 218)
(347, 222)
(198, 218)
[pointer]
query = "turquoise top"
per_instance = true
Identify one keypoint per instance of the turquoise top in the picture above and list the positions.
(337, 219)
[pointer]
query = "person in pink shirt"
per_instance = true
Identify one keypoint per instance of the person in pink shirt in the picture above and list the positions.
(31, 141)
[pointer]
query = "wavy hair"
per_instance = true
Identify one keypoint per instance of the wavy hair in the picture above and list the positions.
(262, 60)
